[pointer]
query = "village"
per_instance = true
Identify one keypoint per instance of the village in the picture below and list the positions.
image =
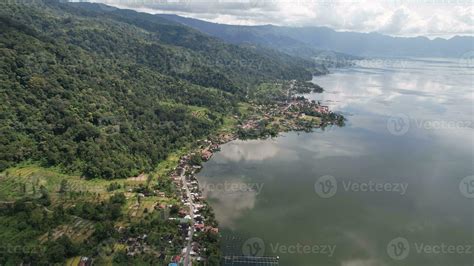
(166, 217)
(190, 214)
(294, 114)
(193, 220)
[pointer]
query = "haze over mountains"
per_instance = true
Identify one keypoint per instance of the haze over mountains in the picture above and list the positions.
(309, 41)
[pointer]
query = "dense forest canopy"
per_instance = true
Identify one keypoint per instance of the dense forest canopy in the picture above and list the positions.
(110, 93)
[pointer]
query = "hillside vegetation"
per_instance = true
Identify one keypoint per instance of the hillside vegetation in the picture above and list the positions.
(109, 93)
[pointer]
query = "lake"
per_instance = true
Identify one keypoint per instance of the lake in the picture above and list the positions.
(394, 186)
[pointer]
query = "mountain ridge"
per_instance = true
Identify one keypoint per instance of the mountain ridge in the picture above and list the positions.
(324, 38)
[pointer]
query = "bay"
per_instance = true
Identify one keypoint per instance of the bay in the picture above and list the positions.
(392, 187)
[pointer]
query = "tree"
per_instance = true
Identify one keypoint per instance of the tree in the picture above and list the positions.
(195, 159)
(44, 198)
(64, 186)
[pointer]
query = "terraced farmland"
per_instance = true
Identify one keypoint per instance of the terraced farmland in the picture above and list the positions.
(78, 230)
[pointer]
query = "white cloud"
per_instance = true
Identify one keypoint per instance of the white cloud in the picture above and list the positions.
(429, 18)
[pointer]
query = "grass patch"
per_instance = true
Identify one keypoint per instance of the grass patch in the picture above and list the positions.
(73, 261)
(26, 180)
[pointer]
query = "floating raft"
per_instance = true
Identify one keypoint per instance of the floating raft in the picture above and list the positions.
(247, 260)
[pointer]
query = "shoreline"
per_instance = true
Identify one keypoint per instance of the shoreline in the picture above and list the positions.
(176, 188)
(298, 114)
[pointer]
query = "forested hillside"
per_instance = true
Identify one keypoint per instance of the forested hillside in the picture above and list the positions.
(110, 93)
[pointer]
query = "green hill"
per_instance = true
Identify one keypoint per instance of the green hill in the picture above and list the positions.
(110, 93)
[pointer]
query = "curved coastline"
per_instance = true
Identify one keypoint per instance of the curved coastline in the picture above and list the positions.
(299, 115)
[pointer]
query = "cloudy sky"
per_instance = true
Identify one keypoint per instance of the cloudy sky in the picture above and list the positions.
(431, 18)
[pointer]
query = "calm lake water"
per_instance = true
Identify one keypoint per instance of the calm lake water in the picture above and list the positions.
(392, 187)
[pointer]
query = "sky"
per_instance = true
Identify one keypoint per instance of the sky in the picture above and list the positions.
(430, 18)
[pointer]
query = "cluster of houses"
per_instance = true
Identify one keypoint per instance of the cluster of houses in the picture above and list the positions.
(137, 245)
(252, 123)
(298, 104)
(85, 261)
(191, 218)
(322, 109)
(293, 109)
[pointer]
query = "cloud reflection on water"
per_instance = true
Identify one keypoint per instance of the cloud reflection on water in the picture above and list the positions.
(228, 205)
(254, 150)
(431, 160)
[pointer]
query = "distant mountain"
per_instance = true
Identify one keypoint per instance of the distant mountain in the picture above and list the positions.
(310, 41)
